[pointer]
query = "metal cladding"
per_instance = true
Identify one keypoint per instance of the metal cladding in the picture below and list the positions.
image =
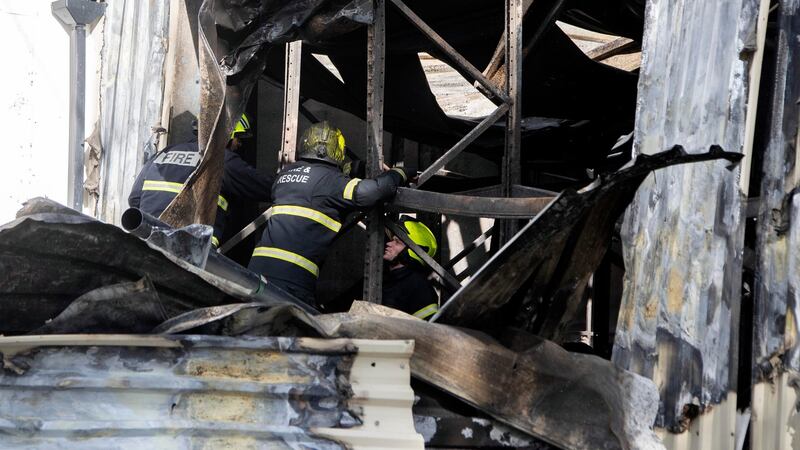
(683, 234)
(124, 391)
(776, 350)
(135, 38)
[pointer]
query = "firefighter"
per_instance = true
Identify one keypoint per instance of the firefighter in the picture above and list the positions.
(163, 176)
(310, 199)
(405, 284)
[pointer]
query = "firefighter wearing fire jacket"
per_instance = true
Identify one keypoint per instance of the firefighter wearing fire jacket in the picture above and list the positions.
(163, 177)
(405, 283)
(310, 199)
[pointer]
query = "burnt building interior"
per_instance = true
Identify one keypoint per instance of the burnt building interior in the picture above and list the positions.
(578, 114)
(526, 193)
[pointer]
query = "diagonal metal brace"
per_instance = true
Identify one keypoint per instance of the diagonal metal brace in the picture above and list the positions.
(462, 144)
(456, 57)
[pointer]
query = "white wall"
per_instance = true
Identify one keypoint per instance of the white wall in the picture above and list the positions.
(34, 97)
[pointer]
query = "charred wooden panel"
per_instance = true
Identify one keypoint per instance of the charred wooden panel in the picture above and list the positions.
(683, 234)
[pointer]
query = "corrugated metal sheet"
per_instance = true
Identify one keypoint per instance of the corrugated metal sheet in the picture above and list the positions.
(684, 232)
(123, 391)
(775, 417)
(131, 91)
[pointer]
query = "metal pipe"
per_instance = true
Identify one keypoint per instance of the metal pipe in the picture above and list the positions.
(75, 16)
(142, 225)
(77, 115)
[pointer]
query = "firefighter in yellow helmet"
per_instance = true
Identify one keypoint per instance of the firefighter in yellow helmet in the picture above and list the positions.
(311, 197)
(405, 284)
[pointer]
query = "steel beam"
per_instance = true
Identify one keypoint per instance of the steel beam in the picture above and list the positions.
(470, 137)
(469, 205)
(449, 280)
(451, 53)
(376, 53)
(511, 168)
(291, 102)
(545, 18)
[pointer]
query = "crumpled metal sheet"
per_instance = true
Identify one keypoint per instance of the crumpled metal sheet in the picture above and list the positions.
(263, 23)
(51, 255)
(121, 391)
(133, 307)
(50, 258)
(557, 252)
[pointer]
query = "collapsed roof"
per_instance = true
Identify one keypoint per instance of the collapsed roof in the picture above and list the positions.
(595, 102)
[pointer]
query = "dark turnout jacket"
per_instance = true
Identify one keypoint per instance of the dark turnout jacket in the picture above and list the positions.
(164, 175)
(407, 288)
(310, 200)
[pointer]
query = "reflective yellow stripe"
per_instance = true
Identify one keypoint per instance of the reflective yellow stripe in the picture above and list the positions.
(166, 186)
(214, 241)
(401, 172)
(175, 188)
(427, 311)
(350, 188)
(284, 255)
(308, 213)
(222, 203)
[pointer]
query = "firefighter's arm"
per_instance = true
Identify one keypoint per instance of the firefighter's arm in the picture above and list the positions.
(135, 197)
(244, 181)
(369, 192)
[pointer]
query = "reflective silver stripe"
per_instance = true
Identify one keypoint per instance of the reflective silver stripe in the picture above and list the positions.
(427, 311)
(308, 213)
(164, 186)
(350, 189)
(285, 255)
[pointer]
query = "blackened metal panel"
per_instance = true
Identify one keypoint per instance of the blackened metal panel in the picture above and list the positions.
(776, 354)
(683, 234)
(49, 258)
(557, 252)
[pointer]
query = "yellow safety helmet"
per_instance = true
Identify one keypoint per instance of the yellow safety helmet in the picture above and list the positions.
(422, 236)
(323, 142)
(242, 128)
